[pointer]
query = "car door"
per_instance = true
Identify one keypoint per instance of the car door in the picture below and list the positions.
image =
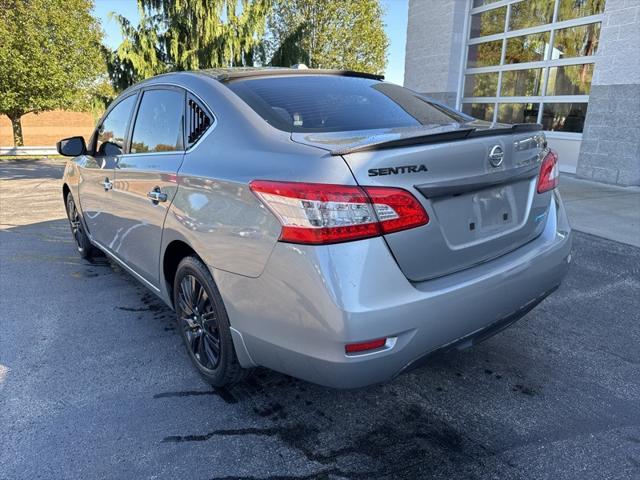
(145, 179)
(97, 169)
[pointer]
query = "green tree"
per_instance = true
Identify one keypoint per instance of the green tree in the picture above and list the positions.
(175, 35)
(50, 57)
(344, 34)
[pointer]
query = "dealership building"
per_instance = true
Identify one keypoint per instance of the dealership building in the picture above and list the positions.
(571, 65)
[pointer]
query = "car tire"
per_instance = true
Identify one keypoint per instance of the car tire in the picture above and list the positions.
(204, 324)
(83, 244)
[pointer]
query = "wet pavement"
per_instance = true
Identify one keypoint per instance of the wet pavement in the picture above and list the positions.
(95, 382)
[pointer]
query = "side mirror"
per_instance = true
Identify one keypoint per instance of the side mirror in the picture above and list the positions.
(72, 147)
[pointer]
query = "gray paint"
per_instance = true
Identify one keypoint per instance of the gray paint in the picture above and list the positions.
(293, 308)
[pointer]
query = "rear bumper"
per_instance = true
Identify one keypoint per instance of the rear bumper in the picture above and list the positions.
(310, 301)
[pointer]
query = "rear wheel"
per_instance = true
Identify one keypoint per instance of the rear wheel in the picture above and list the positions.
(204, 325)
(83, 244)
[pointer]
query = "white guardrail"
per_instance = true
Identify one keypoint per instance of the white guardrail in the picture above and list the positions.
(28, 151)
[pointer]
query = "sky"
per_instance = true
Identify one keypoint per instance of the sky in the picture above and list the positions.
(395, 20)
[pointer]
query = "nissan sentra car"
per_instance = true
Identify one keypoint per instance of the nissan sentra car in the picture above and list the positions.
(324, 224)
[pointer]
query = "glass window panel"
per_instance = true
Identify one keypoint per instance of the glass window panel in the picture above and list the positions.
(531, 13)
(576, 41)
(569, 9)
(520, 83)
(488, 23)
(527, 48)
(325, 103)
(158, 126)
(483, 111)
(480, 3)
(518, 112)
(564, 117)
(481, 85)
(570, 80)
(484, 54)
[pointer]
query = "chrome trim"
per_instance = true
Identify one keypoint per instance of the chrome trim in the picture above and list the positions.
(144, 154)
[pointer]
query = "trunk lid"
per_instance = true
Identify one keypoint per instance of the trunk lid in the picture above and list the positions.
(480, 206)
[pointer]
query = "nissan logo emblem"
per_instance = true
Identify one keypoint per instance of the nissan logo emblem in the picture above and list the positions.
(496, 154)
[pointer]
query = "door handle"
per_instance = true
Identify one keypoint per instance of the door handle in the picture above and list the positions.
(107, 184)
(157, 196)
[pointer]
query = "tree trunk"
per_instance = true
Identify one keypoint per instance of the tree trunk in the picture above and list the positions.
(16, 124)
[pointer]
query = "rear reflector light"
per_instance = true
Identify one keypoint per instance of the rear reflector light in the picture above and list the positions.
(316, 213)
(364, 346)
(549, 173)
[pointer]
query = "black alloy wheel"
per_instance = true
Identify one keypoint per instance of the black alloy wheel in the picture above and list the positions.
(83, 244)
(199, 322)
(204, 324)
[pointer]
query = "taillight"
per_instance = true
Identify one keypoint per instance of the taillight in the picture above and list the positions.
(318, 213)
(549, 173)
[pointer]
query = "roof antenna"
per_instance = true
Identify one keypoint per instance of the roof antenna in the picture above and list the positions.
(300, 66)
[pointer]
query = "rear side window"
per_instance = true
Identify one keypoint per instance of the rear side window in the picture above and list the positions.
(159, 123)
(332, 103)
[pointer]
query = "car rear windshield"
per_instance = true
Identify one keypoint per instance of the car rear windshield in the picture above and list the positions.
(332, 103)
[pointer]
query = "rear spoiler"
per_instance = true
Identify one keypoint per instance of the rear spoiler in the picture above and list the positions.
(422, 138)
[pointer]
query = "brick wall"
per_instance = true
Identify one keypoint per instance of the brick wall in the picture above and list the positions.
(46, 128)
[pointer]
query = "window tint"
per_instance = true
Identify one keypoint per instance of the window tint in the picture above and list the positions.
(331, 103)
(158, 126)
(112, 132)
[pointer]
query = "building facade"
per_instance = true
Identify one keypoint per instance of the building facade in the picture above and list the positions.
(571, 65)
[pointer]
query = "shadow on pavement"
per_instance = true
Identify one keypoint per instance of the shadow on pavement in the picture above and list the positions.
(31, 169)
(566, 377)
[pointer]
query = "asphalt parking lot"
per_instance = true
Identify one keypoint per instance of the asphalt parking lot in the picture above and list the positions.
(95, 383)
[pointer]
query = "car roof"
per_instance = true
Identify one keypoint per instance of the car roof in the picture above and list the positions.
(227, 74)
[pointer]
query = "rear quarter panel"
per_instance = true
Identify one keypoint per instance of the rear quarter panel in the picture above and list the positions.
(214, 211)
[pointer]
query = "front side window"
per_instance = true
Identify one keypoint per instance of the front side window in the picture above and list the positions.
(332, 103)
(112, 132)
(159, 123)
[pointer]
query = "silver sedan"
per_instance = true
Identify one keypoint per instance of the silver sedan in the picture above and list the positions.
(324, 224)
